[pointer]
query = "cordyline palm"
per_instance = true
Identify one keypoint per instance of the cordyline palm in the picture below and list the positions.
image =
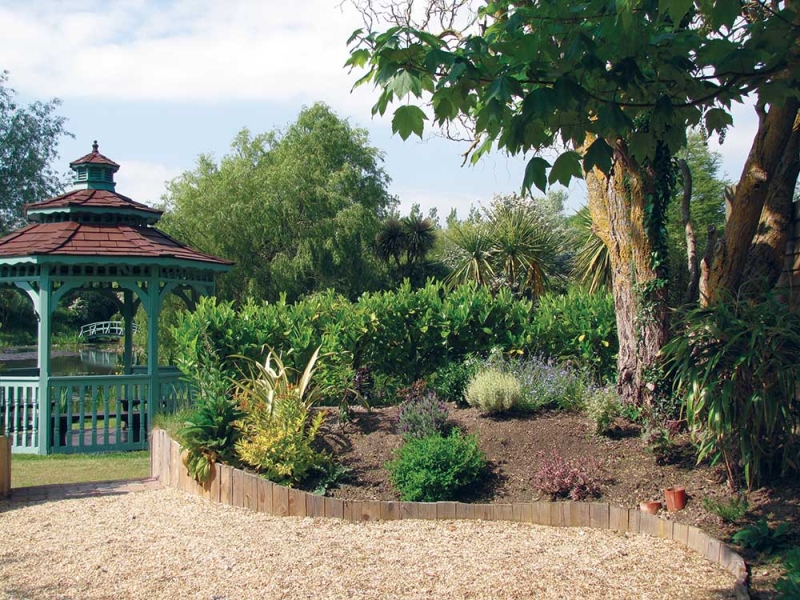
(420, 237)
(525, 247)
(592, 263)
(475, 254)
(390, 240)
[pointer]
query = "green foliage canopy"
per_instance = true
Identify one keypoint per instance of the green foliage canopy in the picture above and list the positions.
(29, 139)
(534, 74)
(296, 210)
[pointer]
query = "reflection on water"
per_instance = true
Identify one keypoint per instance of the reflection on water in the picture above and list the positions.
(88, 361)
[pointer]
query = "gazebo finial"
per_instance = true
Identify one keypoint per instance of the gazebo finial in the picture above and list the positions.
(95, 147)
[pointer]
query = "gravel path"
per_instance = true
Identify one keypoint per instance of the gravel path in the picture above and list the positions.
(166, 544)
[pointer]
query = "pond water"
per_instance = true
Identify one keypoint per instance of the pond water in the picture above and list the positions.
(87, 360)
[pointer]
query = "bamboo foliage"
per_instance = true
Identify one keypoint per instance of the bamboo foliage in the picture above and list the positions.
(736, 368)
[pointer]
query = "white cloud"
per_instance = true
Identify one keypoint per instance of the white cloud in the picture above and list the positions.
(212, 51)
(144, 182)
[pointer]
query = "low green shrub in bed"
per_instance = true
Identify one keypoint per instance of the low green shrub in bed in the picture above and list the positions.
(437, 467)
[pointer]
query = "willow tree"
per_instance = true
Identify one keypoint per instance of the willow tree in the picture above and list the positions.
(615, 86)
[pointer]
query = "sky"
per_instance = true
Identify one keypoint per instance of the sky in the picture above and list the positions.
(159, 82)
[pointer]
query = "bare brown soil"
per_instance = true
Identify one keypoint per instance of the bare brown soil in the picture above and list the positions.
(515, 446)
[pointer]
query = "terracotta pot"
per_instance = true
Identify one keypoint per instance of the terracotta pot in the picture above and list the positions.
(651, 507)
(676, 498)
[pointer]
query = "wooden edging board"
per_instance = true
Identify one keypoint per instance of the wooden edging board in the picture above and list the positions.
(238, 488)
(5, 466)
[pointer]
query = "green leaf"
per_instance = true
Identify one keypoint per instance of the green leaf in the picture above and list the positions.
(358, 58)
(676, 9)
(718, 119)
(642, 145)
(354, 35)
(500, 90)
(437, 57)
(567, 166)
(405, 82)
(536, 174)
(612, 118)
(407, 120)
(599, 155)
(725, 12)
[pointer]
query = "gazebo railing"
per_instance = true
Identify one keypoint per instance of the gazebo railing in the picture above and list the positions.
(19, 412)
(99, 413)
(88, 413)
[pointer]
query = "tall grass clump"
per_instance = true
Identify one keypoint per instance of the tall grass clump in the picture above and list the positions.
(494, 391)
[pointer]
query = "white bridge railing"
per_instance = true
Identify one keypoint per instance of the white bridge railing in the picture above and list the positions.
(115, 328)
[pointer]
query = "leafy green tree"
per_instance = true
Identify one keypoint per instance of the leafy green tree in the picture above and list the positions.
(617, 85)
(29, 138)
(297, 210)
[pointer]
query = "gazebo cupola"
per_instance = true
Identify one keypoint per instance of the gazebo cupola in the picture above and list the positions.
(94, 171)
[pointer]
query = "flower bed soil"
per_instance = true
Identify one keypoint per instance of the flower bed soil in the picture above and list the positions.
(515, 445)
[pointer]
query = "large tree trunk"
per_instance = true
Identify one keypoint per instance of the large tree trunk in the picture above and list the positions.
(617, 204)
(765, 262)
(758, 208)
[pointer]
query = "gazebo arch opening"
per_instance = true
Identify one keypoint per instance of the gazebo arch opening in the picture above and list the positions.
(93, 238)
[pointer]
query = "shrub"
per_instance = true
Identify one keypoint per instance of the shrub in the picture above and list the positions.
(731, 511)
(278, 429)
(544, 383)
(421, 414)
(450, 381)
(493, 391)
(436, 467)
(560, 478)
(602, 407)
(208, 433)
(788, 586)
(578, 327)
(736, 363)
(761, 537)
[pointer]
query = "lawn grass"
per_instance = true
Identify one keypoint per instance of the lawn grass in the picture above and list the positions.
(27, 469)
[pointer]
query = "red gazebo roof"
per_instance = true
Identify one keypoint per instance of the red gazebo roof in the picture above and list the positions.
(94, 158)
(90, 198)
(69, 238)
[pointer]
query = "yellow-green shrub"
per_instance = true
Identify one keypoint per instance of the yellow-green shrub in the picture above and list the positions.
(278, 428)
(492, 391)
(603, 406)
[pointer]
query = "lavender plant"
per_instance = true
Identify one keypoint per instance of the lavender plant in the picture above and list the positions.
(544, 383)
(421, 413)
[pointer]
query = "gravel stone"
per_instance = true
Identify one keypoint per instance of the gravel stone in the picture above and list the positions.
(167, 544)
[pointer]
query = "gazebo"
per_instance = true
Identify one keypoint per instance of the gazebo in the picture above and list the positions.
(93, 238)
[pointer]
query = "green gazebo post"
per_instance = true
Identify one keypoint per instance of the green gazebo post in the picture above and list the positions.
(93, 238)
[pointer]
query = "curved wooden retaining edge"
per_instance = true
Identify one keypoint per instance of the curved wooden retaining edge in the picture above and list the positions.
(237, 488)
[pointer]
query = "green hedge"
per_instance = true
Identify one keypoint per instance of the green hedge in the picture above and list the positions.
(402, 334)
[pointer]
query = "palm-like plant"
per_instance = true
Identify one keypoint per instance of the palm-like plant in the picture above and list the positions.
(592, 263)
(390, 242)
(420, 237)
(278, 427)
(474, 254)
(525, 246)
